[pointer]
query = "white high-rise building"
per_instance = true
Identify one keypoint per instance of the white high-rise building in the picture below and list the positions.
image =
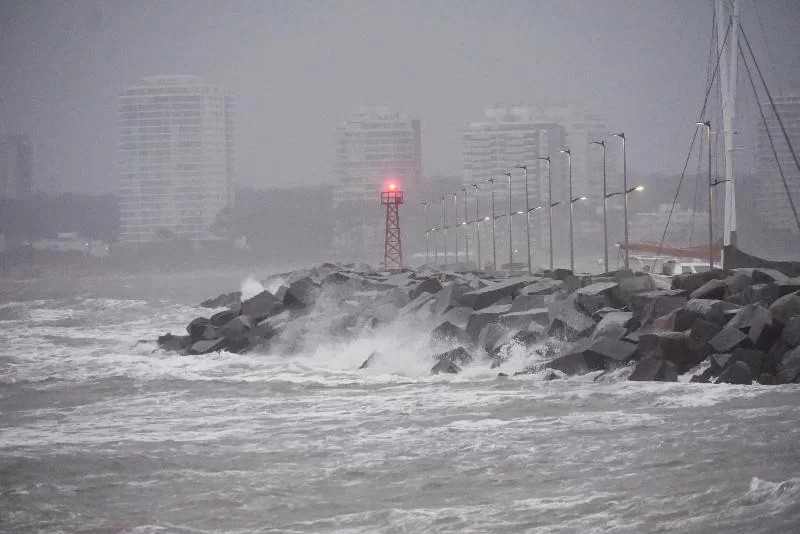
(176, 158)
(374, 146)
(509, 137)
(771, 200)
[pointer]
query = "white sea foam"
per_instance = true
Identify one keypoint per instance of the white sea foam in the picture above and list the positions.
(251, 287)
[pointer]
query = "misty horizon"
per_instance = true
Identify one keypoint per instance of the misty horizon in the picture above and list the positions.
(298, 70)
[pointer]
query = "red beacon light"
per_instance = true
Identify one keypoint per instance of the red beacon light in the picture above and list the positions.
(392, 186)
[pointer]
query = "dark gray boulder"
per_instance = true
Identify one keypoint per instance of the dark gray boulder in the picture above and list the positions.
(613, 325)
(197, 328)
(206, 346)
(523, 319)
(708, 309)
(492, 293)
(788, 367)
(446, 299)
(261, 306)
(429, 285)
(767, 379)
(737, 373)
(237, 326)
(693, 281)
(612, 351)
(791, 332)
(480, 318)
(224, 317)
(545, 286)
(223, 300)
(785, 307)
(300, 294)
(451, 361)
(577, 363)
(632, 285)
(728, 339)
(753, 358)
(649, 306)
(596, 296)
(528, 302)
(371, 359)
(654, 370)
(173, 343)
(447, 332)
(677, 320)
(676, 347)
(713, 289)
(567, 322)
(764, 294)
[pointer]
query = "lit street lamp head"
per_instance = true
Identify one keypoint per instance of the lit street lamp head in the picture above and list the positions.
(566, 151)
(601, 143)
(621, 135)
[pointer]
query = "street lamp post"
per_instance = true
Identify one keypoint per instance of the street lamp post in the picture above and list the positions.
(427, 241)
(444, 230)
(621, 135)
(527, 218)
(435, 248)
(494, 240)
(605, 206)
(510, 248)
(551, 205)
(477, 227)
(571, 239)
(455, 224)
(466, 233)
(711, 185)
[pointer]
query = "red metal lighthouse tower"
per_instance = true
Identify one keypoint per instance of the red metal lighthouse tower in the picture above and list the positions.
(392, 250)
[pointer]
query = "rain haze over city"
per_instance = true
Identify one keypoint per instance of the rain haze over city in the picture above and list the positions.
(373, 266)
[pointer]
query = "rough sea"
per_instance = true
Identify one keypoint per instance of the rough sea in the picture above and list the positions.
(99, 434)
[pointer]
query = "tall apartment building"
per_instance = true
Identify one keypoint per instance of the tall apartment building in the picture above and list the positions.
(16, 167)
(509, 137)
(771, 200)
(374, 145)
(176, 157)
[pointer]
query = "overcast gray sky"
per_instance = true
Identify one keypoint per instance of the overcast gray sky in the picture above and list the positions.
(298, 69)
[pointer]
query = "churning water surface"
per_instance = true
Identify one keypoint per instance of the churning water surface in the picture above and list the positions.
(100, 434)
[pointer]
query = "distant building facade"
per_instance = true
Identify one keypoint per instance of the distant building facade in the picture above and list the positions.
(509, 137)
(176, 157)
(16, 167)
(373, 146)
(770, 194)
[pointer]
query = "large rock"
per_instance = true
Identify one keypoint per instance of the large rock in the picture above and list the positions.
(429, 285)
(545, 286)
(756, 321)
(529, 302)
(237, 326)
(173, 343)
(480, 318)
(791, 332)
(523, 319)
(224, 317)
(493, 336)
(633, 285)
(596, 296)
(786, 307)
(486, 296)
(301, 293)
(654, 370)
(451, 361)
(447, 332)
(567, 322)
(371, 360)
(693, 281)
(197, 328)
(261, 306)
(713, 289)
(737, 373)
(612, 351)
(223, 300)
(676, 347)
(789, 366)
(206, 346)
(753, 358)
(708, 309)
(764, 294)
(446, 299)
(677, 320)
(728, 339)
(613, 325)
(577, 363)
(649, 306)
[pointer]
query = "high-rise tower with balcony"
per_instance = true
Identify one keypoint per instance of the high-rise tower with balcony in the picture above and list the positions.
(374, 145)
(176, 157)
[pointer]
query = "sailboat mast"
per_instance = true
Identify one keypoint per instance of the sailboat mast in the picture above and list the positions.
(729, 60)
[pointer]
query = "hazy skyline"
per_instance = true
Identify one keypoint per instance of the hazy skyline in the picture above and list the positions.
(298, 69)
